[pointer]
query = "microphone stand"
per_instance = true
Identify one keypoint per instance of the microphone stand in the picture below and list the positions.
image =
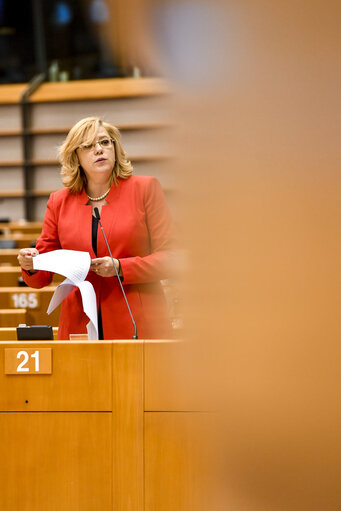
(117, 274)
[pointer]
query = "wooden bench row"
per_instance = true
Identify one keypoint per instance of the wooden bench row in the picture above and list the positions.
(19, 239)
(33, 301)
(10, 333)
(8, 257)
(10, 275)
(23, 227)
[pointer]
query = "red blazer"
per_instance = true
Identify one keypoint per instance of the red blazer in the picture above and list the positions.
(139, 230)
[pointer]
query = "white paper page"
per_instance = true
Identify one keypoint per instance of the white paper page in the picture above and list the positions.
(72, 264)
(62, 291)
(90, 308)
(88, 299)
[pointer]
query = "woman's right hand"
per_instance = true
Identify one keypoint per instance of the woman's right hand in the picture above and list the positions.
(25, 258)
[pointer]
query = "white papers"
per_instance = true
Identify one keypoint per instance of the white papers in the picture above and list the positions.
(74, 265)
(71, 263)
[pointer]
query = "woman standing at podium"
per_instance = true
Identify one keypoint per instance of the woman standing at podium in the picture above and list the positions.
(136, 220)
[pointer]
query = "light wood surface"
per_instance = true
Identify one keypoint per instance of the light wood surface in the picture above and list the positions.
(35, 316)
(99, 89)
(10, 133)
(55, 461)
(12, 317)
(28, 361)
(11, 93)
(12, 193)
(80, 438)
(11, 163)
(128, 477)
(9, 275)
(64, 130)
(81, 380)
(9, 256)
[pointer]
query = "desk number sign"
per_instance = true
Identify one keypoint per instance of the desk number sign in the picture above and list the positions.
(28, 361)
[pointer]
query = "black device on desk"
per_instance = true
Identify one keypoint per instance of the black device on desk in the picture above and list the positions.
(34, 333)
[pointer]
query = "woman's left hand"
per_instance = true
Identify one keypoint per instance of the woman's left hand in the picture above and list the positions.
(103, 266)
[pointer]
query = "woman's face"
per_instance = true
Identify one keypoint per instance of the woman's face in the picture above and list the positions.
(98, 160)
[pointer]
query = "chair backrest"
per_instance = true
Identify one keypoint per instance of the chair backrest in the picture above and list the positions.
(8, 244)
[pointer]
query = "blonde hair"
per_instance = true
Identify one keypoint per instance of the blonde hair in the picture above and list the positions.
(84, 133)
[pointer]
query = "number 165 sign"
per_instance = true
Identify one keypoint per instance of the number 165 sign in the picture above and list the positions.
(28, 361)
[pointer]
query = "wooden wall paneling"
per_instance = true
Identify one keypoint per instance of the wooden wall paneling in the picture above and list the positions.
(45, 146)
(81, 380)
(144, 142)
(10, 148)
(126, 102)
(10, 116)
(39, 207)
(131, 111)
(11, 178)
(54, 461)
(12, 208)
(47, 177)
(128, 469)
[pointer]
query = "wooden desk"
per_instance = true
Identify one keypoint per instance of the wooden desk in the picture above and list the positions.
(10, 274)
(9, 256)
(81, 438)
(10, 333)
(23, 240)
(23, 227)
(35, 301)
(12, 317)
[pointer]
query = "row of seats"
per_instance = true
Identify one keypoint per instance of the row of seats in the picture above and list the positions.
(18, 303)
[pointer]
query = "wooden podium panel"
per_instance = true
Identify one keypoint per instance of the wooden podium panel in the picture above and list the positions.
(81, 380)
(170, 377)
(55, 461)
(128, 468)
(82, 438)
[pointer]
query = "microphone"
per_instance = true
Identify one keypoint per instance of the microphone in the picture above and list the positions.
(117, 274)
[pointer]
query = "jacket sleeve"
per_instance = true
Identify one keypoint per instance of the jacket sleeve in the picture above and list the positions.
(158, 264)
(47, 242)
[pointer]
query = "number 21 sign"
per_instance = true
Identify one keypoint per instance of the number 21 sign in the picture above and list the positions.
(28, 361)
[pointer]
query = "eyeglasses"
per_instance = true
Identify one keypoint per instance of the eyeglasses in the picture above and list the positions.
(104, 143)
